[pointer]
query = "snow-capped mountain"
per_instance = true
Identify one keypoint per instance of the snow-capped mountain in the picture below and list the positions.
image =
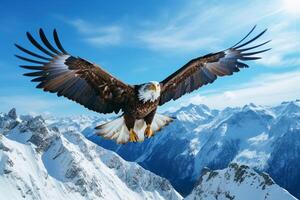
(40, 162)
(237, 182)
(51, 159)
(262, 137)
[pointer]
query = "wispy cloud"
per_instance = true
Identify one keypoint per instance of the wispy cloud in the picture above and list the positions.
(183, 30)
(285, 43)
(99, 36)
(210, 27)
(267, 89)
(168, 40)
(105, 39)
(199, 25)
(203, 25)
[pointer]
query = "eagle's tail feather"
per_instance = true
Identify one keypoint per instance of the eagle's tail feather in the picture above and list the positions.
(117, 130)
(160, 121)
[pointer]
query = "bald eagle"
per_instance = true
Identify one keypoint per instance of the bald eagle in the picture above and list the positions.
(88, 84)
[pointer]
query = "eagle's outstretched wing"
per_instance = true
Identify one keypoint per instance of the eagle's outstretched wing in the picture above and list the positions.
(203, 70)
(75, 78)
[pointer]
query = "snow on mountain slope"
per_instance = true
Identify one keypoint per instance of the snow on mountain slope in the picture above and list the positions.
(200, 137)
(40, 162)
(237, 182)
(74, 123)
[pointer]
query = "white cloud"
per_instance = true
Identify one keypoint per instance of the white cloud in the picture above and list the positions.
(194, 28)
(106, 39)
(285, 43)
(176, 42)
(267, 89)
(206, 26)
(203, 26)
(183, 30)
(98, 36)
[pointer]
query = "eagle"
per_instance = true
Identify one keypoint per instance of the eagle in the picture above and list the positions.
(57, 71)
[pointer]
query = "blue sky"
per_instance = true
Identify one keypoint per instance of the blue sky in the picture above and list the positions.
(141, 41)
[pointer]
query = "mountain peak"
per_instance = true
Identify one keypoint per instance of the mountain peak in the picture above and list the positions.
(288, 107)
(12, 113)
(237, 182)
(191, 106)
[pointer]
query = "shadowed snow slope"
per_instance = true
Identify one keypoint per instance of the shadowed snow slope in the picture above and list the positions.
(40, 162)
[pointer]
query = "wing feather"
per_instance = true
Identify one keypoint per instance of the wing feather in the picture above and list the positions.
(203, 70)
(57, 42)
(32, 53)
(30, 60)
(73, 77)
(47, 43)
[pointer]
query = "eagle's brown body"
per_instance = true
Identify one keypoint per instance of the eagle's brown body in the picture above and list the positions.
(137, 109)
(81, 81)
(143, 110)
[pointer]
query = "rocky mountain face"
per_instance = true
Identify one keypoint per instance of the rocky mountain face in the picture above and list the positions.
(264, 138)
(237, 182)
(38, 161)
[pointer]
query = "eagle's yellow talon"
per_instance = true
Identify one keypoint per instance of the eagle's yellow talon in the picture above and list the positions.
(148, 131)
(133, 136)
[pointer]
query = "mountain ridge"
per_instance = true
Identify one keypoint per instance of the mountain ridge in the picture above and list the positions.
(39, 162)
(252, 135)
(236, 182)
(203, 137)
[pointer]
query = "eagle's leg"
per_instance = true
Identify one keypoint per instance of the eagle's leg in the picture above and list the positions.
(148, 119)
(129, 121)
(133, 136)
(148, 131)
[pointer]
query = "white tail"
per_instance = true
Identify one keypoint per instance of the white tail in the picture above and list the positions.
(117, 130)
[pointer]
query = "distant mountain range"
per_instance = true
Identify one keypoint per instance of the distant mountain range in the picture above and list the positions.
(262, 137)
(49, 157)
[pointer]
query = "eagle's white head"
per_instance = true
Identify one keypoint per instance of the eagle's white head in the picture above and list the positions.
(149, 91)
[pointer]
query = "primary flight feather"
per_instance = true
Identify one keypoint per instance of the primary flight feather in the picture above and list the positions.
(88, 84)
